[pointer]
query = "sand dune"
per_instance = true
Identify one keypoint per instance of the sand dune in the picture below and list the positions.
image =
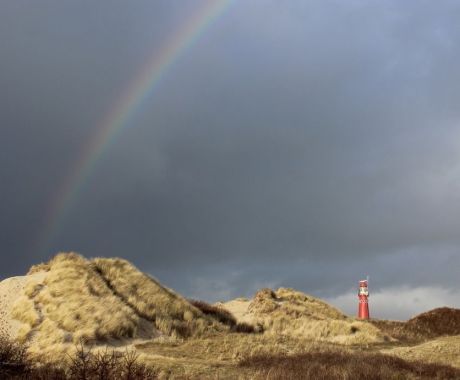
(290, 312)
(100, 301)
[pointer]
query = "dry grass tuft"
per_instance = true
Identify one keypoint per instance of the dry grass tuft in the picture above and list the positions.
(344, 365)
(265, 301)
(42, 267)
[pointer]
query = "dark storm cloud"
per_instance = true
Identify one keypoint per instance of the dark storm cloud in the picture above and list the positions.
(293, 144)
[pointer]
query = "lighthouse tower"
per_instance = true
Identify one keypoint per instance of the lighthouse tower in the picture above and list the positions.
(363, 295)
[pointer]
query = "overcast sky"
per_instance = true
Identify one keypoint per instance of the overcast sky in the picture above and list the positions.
(295, 143)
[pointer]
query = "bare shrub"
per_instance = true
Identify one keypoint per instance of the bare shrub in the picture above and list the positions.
(106, 364)
(13, 358)
(83, 365)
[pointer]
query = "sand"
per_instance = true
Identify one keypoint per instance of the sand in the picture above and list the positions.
(239, 308)
(10, 290)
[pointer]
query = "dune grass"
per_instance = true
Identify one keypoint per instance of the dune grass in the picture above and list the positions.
(71, 304)
(293, 303)
(290, 312)
(445, 350)
(171, 313)
(100, 301)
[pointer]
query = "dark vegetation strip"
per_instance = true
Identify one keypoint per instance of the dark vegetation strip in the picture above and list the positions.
(435, 323)
(120, 296)
(225, 317)
(335, 365)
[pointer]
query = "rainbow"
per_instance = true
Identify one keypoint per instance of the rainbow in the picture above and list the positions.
(127, 104)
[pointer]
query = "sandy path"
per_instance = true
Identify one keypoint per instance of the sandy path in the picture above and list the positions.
(10, 290)
(239, 308)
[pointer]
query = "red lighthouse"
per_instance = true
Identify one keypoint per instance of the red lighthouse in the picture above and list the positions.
(363, 294)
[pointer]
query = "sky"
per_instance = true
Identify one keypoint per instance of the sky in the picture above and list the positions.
(304, 144)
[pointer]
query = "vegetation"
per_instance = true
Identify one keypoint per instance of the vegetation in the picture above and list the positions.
(172, 314)
(293, 303)
(287, 312)
(99, 301)
(216, 312)
(15, 363)
(72, 303)
(13, 358)
(432, 324)
(107, 305)
(445, 350)
(341, 365)
(224, 316)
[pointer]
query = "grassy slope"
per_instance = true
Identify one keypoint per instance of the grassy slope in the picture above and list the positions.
(171, 313)
(72, 303)
(103, 300)
(338, 365)
(287, 312)
(445, 350)
(230, 356)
